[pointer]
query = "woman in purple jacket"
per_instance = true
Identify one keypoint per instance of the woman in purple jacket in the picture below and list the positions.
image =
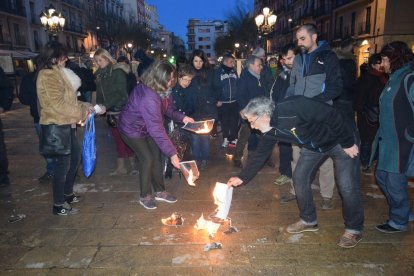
(141, 127)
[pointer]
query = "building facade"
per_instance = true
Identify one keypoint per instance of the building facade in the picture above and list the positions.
(372, 23)
(203, 34)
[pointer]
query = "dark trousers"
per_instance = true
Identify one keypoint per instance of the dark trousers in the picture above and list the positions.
(229, 118)
(150, 165)
(285, 157)
(347, 177)
(395, 188)
(246, 136)
(4, 163)
(65, 171)
(200, 146)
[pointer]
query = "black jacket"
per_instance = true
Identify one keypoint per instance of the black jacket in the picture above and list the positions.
(249, 87)
(28, 95)
(314, 125)
(182, 100)
(280, 87)
(204, 97)
(225, 84)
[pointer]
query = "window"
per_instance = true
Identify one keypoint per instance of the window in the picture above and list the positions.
(368, 21)
(36, 40)
(208, 47)
(16, 33)
(1, 33)
(203, 38)
(204, 30)
(208, 55)
(353, 23)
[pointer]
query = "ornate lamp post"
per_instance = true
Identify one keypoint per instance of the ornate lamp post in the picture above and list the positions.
(52, 21)
(265, 21)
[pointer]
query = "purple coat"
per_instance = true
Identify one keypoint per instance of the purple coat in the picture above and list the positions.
(143, 116)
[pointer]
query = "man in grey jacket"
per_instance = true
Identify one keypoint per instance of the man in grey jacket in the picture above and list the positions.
(315, 74)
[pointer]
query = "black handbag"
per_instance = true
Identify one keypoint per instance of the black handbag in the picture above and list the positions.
(111, 120)
(55, 140)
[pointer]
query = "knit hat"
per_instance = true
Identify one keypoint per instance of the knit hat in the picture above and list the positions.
(259, 52)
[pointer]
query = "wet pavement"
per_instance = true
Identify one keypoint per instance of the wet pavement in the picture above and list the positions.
(114, 235)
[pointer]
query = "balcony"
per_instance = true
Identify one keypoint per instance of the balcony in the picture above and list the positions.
(340, 3)
(323, 10)
(364, 28)
(18, 10)
(74, 3)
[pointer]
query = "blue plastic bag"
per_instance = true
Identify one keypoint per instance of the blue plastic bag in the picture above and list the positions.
(89, 147)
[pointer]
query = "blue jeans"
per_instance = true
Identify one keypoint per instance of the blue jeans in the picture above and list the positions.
(347, 177)
(394, 186)
(49, 161)
(65, 171)
(200, 146)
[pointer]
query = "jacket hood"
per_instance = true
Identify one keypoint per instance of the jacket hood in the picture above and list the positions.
(343, 55)
(125, 67)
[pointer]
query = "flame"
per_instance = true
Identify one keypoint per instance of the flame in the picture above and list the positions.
(191, 179)
(201, 223)
(211, 227)
(205, 129)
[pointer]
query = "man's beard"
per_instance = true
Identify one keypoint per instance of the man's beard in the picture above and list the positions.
(304, 49)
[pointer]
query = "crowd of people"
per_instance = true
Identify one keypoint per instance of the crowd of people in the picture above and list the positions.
(307, 106)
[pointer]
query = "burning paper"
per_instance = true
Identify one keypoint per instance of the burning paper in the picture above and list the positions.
(210, 226)
(190, 171)
(200, 127)
(222, 198)
(175, 219)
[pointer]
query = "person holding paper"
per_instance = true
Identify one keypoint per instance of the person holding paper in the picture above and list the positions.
(320, 130)
(141, 124)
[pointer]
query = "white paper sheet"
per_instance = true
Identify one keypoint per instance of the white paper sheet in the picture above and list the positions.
(222, 198)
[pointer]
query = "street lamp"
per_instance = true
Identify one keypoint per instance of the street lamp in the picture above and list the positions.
(237, 45)
(129, 45)
(52, 21)
(265, 21)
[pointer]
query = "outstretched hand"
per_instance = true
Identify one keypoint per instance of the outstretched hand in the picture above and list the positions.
(234, 181)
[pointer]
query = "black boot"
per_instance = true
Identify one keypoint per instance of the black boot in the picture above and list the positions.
(168, 170)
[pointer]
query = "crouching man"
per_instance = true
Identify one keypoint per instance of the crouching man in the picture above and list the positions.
(319, 129)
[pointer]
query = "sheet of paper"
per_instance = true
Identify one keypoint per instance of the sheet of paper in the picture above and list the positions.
(200, 127)
(222, 198)
(190, 171)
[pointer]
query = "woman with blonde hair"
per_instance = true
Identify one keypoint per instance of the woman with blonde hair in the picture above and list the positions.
(141, 125)
(112, 92)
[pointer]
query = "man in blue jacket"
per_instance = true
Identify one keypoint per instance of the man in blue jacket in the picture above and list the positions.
(225, 85)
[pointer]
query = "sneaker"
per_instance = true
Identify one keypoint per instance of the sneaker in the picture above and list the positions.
(225, 143)
(64, 210)
(234, 142)
(148, 202)
(287, 198)
(165, 196)
(238, 163)
(327, 204)
(72, 198)
(283, 179)
(47, 177)
(300, 226)
(386, 228)
(349, 240)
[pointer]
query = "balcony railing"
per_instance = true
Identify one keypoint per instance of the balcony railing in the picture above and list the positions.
(17, 10)
(364, 28)
(75, 28)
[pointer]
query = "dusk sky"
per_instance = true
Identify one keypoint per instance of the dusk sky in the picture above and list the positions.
(174, 14)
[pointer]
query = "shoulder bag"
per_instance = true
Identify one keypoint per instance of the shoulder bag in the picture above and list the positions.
(55, 140)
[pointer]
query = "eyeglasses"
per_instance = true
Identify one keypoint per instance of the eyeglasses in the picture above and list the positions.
(255, 120)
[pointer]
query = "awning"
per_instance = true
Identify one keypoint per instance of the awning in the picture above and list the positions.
(18, 54)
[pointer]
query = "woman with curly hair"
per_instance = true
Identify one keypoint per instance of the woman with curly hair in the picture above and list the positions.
(395, 136)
